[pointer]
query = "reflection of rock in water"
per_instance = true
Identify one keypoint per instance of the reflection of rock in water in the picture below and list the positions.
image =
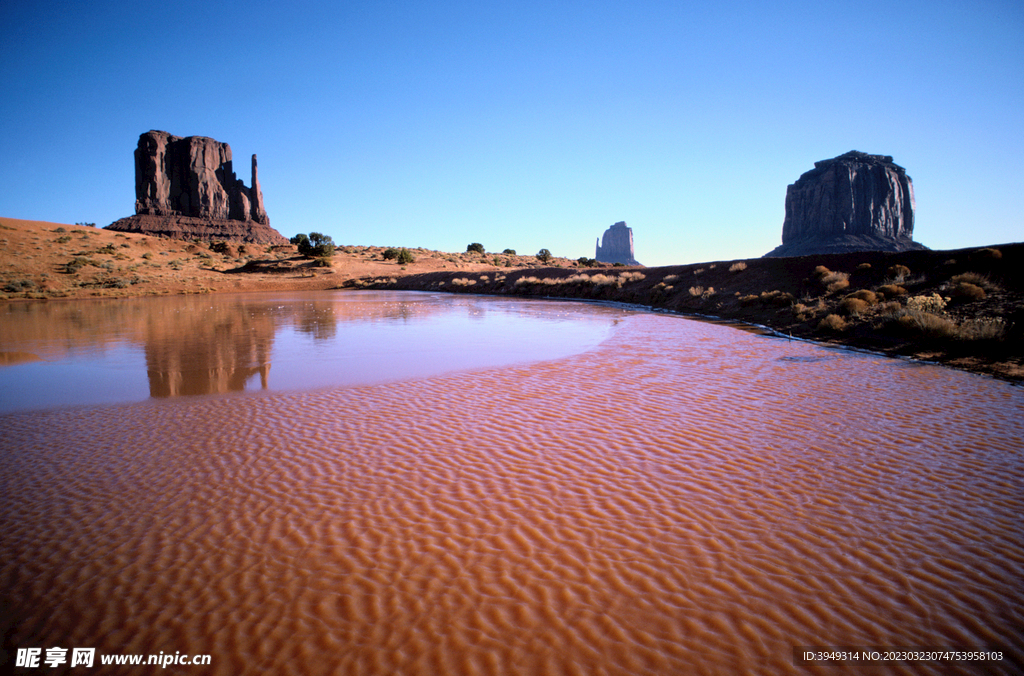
(199, 353)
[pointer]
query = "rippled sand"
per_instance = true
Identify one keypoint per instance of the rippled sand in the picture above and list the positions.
(686, 498)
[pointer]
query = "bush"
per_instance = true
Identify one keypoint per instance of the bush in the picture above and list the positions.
(832, 323)
(390, 253)
(737, 267)
(509, 252)
(544, 256)
(989, 252)
(852, 306)
(821, 271)
(320, 246)
(16, 285)
(898, 272)
(299, 238)
(977, 279)
(868, 297)
(585, 262)
(892, 290)
(405, 257)
(965, 291)
(476, 247)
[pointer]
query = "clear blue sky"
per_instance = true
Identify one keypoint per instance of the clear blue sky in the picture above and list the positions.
(523, 124)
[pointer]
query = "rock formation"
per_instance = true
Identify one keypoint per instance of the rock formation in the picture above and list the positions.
(854, 202)
(186, 188)
(617, 247)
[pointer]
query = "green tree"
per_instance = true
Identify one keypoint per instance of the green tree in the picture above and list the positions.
(405, 257)
(509, 252)
(544, 256)
(390, 253)
(475, 247)
(317, 245)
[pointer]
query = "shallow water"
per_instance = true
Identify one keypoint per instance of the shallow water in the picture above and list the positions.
(680, 498)
(115, 351)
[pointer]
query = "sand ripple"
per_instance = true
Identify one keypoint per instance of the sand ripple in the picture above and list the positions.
(686, 498)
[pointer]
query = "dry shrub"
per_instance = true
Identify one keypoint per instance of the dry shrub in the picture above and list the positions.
(965, 291)
(627, 277)
(777, 297)
(928, 324)
(821, 271)
(702, 292)
(864, 266)
(833, 281)
(868, 297)
(892, 290)
(832, 323)
(932, 303)
(853, 306)
(989, 252)
(977, 279)
(898, 272)
(737, 267)
(838, 285)
(982, 329)
(744, 300)
(671, 278)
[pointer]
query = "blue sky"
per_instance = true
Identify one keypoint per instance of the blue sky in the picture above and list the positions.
(523, 124)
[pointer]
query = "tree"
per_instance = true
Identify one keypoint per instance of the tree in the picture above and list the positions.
(544, 255)
(475, 246)
(405, 257)
(317, 245)
(509, 252)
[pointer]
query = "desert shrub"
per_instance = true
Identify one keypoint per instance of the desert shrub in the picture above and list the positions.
(868, 297)
(76, 264)
(965, 291)
(776, 297)
(671, 278)
(927, 324)
(509, 252)
(891, 290)
(932, 303)
(544, 256)
(702, 292)
(738, 267)
(853, 306)
(390, 253)
(321, 263)
(836, 281)
(317, 246)
(219, 247)
(832, 323)
(63, 239)
(864, 266)
(898, 272)
(405, 257)
(820, 271)
(299, 238)
(744, 300)
(585, 262)
(475, 247)
(60, 229)
(108, 249)
(977, 279)
(989, 252)
(982, 329)
(627, 277)
(618, 265)
(17, 285)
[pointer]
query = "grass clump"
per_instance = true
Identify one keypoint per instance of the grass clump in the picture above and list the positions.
(869, 297)
(966, 292)
(898, 273)
(738, 267)
(853, 306)
(833, 323)
(891, 290)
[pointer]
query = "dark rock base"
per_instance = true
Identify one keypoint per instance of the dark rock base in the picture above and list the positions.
(843, 244)
(206, 229)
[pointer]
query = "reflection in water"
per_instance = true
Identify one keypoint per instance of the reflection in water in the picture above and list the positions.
(99, 352)
(208, 353)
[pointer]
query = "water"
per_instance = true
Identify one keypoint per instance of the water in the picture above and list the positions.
(678, 497)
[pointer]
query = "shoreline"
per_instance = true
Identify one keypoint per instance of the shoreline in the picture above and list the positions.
(959, 308)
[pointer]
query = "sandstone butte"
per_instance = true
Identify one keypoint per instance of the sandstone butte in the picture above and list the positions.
(186, 188)
(854, 202)
(617, 245)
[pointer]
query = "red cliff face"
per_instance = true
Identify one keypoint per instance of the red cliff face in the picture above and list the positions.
(852, 202)
(186, 187)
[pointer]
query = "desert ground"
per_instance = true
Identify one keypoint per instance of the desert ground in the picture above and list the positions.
(962, 308)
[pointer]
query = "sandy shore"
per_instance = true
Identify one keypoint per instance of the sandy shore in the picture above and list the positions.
(962, 308)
